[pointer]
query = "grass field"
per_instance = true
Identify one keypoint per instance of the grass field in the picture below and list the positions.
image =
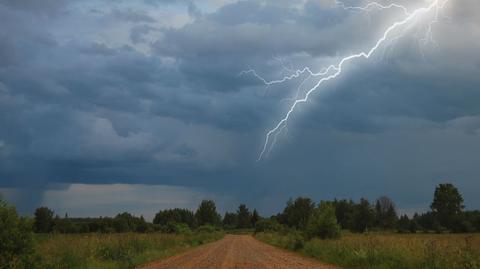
(388, 251)
(105, 251)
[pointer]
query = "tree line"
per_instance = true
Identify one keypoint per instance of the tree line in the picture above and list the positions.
(169, 221)
(446, 215)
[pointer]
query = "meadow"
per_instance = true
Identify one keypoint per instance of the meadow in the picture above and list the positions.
(387, 251)
(125, 250)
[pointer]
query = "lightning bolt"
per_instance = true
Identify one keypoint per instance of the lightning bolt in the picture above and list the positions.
(373, 5)
(335, 70)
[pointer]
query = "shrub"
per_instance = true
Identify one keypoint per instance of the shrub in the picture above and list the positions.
(206, 229)
(323, 223)
(16, 246)
(267, 225)
(177, 228)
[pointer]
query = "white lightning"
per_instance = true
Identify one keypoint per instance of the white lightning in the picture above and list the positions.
(333, 71)
(373, 5)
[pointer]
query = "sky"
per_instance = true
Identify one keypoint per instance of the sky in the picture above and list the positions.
(112, 106)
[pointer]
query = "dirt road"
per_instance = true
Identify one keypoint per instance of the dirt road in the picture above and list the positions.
(238, 252)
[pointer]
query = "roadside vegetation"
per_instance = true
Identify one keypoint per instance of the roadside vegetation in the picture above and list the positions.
(350, 234)
(116, 250)
(125, 241)
(387, 251)
(373, 236)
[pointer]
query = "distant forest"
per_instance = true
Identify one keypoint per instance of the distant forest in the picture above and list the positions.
(447, 214)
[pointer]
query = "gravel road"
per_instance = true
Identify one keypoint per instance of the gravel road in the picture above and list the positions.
(238, 252)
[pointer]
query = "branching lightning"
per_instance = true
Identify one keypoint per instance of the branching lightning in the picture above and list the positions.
(335, 70)
(373, 5)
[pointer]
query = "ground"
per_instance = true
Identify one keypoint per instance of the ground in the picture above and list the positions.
(238, 252)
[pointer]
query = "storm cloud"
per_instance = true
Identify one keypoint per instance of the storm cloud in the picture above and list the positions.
(149, 93)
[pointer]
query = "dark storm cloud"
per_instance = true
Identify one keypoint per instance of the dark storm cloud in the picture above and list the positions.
(122, 96)
(132, 16)
(45, 6)
(165, 2)
(138, 33)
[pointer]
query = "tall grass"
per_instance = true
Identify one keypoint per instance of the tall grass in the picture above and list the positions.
(389, 251)
(127, 250)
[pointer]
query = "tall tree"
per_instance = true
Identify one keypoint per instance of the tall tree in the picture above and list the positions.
(323, 222)
(244, 217)
(43, 220)
(345, 213)
(364, 216)
(403, 224)
(230, 220)
(297, 213)
(207, 213)
(176, 215)
(447, 204)
(385, 213)
(125, 222)
(255, 218)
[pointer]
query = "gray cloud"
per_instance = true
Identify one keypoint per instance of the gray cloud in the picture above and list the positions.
(139, 102)
(132, 16)
(45, 7)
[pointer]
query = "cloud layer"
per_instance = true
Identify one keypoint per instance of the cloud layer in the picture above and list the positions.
(149, 93)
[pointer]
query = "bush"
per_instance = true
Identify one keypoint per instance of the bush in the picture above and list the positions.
(206, 229)
(268, 225)
(16, 246)
(177, 228)
(323, 223)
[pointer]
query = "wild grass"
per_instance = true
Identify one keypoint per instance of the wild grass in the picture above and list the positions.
(128, 250)
(389, 251)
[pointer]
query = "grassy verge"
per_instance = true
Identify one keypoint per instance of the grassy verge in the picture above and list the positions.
(127, 250)
(387, 251)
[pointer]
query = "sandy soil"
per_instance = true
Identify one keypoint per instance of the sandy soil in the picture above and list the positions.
(238, 252)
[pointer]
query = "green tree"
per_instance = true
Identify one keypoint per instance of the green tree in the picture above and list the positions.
(323, 222)
(426, 221)
(364, 216)
(403, 224)
(473, 217)
(385, 213)
(268, 225)
(255, 217)
(345, 212)
(43, 220)
(176, 215)
(244, 217)
(230, 220)
(141, 225)
(207, 213)
(297, 213)
(16, 246)
(126, 222)
(447, 205)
